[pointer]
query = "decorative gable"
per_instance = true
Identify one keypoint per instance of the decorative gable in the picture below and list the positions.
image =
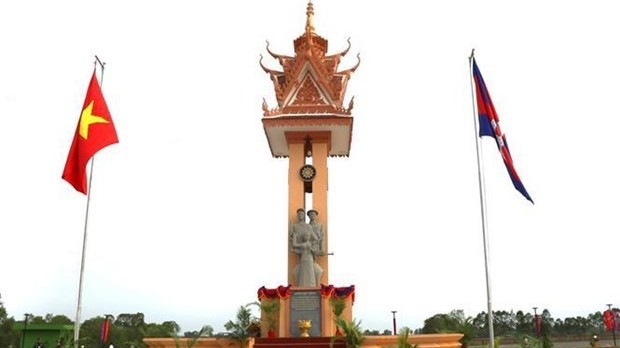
(308, 93)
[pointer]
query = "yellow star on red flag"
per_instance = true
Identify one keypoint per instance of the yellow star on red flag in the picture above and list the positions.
(89, 140)
(88, 118)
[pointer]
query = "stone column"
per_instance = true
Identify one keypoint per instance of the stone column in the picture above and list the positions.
(296, 197)
(320, 152)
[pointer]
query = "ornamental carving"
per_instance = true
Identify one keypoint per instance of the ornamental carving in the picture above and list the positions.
(308, 94)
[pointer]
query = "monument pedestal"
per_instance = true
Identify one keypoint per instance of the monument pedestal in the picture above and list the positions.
(422, 341)
(298, 342)
(306, 303)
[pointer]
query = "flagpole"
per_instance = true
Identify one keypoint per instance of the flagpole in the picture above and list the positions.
(483, 205)
(76, 327)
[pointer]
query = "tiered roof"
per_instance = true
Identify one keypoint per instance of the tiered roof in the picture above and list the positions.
(309, 90)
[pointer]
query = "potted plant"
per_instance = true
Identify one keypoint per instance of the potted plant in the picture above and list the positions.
(270, 309)
(269, 313)
(403, 338)
(338, 305)
(352, 333)
(239, 330)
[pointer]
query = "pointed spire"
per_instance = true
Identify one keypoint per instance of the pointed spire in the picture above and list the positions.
(310, 17)
(310, 79)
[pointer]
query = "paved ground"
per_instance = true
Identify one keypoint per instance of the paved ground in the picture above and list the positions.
(583, 344)
(573, 344)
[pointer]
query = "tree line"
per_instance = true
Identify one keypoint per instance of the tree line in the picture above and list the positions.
(516, 325)
(129, 329)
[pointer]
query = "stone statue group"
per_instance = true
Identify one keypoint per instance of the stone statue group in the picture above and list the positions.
(307, 240)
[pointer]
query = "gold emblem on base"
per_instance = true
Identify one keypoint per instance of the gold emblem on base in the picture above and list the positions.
(304, 326)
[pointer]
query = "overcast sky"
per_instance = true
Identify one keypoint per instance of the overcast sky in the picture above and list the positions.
(188, 214)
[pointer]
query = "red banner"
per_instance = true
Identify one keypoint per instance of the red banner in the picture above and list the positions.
(342, 292)
(538, 324)
(611, 319)
(279, 292)
(105, 330)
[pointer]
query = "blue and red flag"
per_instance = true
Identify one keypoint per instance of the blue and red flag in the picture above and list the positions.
(489, 126)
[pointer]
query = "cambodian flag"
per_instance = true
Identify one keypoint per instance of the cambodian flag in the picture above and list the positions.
(489, 125)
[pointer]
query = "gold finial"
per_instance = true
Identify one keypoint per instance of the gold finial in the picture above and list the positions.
(310, 19)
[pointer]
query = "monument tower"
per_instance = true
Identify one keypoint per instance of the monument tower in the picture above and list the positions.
(308, 125)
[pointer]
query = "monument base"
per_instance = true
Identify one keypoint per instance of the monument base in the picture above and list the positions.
(308, 303)
(422, 341)
(301, 342)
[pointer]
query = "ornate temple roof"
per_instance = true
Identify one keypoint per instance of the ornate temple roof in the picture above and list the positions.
(310, 92)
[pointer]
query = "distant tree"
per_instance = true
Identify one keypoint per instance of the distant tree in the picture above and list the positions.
(129, 330)
(130, 320)
(90, 330)
(371, 332)
(60, 319)
(165, 329)
(172, 326)
(36, 319)
(572, 325)
(124, 333)
(524, 323)
(207, 331)
(504, 322)
(464, 325)
(559, 327)
(455, 321)
(8, 336)
(546, 316)
(596, 323)
(481, 324)
(439, 323)
(546, 327)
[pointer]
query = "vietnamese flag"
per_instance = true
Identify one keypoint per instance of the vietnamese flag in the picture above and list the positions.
(95, 130)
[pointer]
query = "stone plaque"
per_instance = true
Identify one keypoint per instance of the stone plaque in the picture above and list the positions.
(305, 305)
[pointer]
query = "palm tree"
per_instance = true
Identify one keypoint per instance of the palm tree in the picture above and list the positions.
(239, 329)
(353, 335)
